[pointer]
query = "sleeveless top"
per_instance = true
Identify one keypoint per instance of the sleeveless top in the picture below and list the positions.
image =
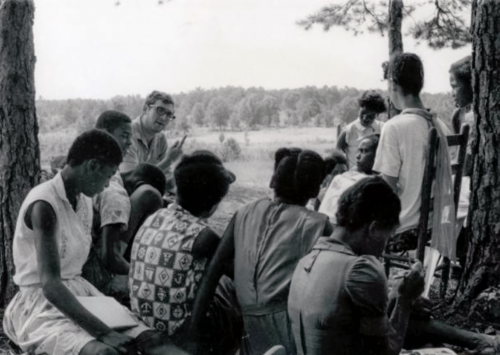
(72, 233)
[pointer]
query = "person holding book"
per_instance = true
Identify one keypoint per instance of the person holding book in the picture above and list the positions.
(51, 243)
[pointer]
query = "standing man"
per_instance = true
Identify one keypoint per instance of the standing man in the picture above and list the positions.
(149, 144)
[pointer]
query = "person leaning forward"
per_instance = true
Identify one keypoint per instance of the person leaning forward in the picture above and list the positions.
(149, 144)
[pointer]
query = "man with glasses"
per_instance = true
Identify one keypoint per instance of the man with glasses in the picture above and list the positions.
(149, 144)
(371, 104)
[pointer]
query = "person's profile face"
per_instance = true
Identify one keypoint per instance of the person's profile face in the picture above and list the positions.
(97, 178)
(158, 115)
(367, 116)
(376, 240)
(123, 134)
(365, 156)
(462, 95)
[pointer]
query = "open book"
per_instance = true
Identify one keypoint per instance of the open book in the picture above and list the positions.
(109, 311)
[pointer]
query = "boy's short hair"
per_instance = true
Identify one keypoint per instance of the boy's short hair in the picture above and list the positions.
(368, 200)
(145, 173)
(111, 120)
(373, 101)
(374, 138)
(155, 96)
(202, 181)
(407, 71)
(95, 144)
(332, 160)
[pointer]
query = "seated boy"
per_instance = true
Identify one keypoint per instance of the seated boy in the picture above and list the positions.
(173, 246)
(120, 208)
(364, 164)
(371, 104)
(401, 158)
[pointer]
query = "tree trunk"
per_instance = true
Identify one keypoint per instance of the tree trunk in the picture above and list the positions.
(395, 39)
(482, 267)
(19, 148)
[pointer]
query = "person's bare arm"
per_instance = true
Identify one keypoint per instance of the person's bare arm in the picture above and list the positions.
(406, 293)
(392, 181)
(173, 153)
(112, 254)
(341, 142)
(217, 267)
(43, 222)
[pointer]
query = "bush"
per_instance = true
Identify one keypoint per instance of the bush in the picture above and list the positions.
(229, 150)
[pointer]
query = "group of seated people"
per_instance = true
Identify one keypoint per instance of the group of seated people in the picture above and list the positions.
(309, 282)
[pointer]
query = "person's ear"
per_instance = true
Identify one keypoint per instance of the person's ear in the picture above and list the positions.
(372, 228)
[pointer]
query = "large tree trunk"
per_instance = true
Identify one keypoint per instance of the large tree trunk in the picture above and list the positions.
(482, 268)
(395, 39)
(19, 149)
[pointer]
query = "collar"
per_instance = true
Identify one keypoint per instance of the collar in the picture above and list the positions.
(359, 126)
(332, 244)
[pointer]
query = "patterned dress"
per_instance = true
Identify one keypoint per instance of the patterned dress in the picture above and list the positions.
(163, 276)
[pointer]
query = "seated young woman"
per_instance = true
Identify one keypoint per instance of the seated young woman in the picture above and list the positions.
(51, 243)
(339, 302)
(260, 248)
(119, 210)
(364, 163)
(172, 248)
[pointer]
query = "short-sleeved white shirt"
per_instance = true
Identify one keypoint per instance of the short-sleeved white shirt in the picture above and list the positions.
(401, 153)
(113, 203)
(355, 133)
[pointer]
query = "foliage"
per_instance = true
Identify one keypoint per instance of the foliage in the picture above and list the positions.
(348, 109)
(218, 113)
(230, 150)
(446, 27)
(198, 114)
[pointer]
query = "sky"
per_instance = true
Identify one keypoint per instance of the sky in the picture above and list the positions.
(96, 49)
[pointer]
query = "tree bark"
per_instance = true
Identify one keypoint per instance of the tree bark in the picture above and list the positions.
(482, 267)
(19, 148)
(395, 39)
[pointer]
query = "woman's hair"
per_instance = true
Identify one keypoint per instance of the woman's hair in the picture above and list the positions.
(145, 173)
(369, 200)
(155, 96)
(111, 120)
(462, 69)
(333, 159)
(95, 144)
(202, 181)
(373, 101)
(407, 71)
(297, 174)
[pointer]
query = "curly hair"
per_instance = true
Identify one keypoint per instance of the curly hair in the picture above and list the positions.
(462, 69)
(95, 144)
(298, 174)
(372, 101)
(407, 71)
(202, 181)
(369, 200)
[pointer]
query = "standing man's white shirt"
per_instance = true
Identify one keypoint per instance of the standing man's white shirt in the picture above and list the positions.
(401, 154)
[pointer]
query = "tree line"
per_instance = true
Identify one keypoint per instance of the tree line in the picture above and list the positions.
(232, 108)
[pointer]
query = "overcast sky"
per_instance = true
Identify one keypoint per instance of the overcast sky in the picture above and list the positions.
(95, 49)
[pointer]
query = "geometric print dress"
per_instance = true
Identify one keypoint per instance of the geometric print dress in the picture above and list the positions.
(163, 277)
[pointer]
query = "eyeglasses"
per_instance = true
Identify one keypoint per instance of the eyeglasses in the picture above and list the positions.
(162, 112)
